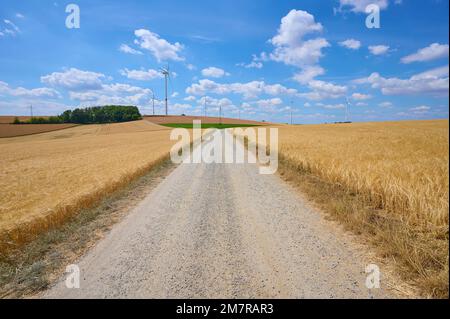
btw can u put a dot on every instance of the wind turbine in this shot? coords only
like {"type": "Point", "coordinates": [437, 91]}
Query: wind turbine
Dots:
{"type": "Point", "coordinates": [347, 109]}
{"type": "Point", "coordinates": [166, 73]}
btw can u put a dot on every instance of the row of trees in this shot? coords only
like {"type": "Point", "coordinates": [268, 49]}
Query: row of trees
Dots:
{"type": "Point", "coordinates": [40, 120]}
{"type": "Point", "coordinates": [90, 115]}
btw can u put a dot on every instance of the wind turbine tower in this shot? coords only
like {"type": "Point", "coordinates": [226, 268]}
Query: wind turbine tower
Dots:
{"type": "Point", "coordinates": [347, 109]}
{"type": "Point", "coordinates": [153, 102]}
{"type": "Point", "coordinates": [166, 73]}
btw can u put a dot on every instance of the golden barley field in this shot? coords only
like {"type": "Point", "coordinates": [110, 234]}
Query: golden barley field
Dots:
{"type": "Point", "coordinates": [46, 177]}
{"type": "Point", "coordinates": [400, 169]}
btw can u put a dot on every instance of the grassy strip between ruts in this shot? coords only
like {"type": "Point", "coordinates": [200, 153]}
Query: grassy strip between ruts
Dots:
{"type": "Point", "coordinates": [31, 268]}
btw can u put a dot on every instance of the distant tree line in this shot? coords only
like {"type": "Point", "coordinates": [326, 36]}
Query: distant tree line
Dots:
{"type": "Point", "coordinates": [90, 115]}
{"type": "Point", "coordinates": [40, 120]}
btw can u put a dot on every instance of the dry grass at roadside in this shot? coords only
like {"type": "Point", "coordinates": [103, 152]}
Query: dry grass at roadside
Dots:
{"type": "Point", "coordinates": [46, 178]}
{"type": "Point", "coordinates": [395, 180]}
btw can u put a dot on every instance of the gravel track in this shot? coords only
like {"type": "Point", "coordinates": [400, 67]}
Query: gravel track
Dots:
{"type": "Point", "coordinates": [222, 231]}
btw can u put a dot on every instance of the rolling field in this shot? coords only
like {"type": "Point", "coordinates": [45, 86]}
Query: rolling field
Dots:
{"type": "Point", "coordinates": [47, 177]}
{"type": "Point", "coordinates": [387, 182]}
{"type": "Point", "coordinates": [8, 119]}
{"type": "Point", "coordinates": [12, 130]}
{"type": "Point", "coordinates": [7, 129]}
{"type": "Point", "coordinates": [399, 169]}
{"type": "Point", "coordinates": [207, 125]}
{"type": "Point", "coordinates": [188, 119]}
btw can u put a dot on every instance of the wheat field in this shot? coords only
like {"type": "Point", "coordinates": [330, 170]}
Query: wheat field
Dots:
{"type": "Point", "coordinates": [45, 178]}
{"type": "Point", "coordinates": [400, 169]}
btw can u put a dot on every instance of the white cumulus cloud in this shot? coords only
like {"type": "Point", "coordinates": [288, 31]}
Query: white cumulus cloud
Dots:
{"type": "Point", "coordinates": [125, 48]}
{"type": "Point", "coordinates": [333, 106]}
{"type": "Point", "coordinates": [351, 44]}
{"type": "Point", "coordinates": [29, 93]}
{"type": "Point", "coordinates": [74, 79]}
{"type": "Point", "coordinates": [385, 104]}
{"type": "Point", "coordinates": [379, 49]}
{"type": "Point", "coordinates": [190, 98]}
{"type": "Point", "coordinates": [141, 75]}
{"type": "Point", "coordinates": [324, 90]}
{"type": "Point", "coordinates": [434, 81]}
{"type": "Point", "coordinates": [420, 109]}
{"type": "Point", "coordinates": [432, 52]}
{"type": "Point", "coordinates": [248, 90]}
{"type": "Point", "coordinates": [214, 72]}
{"type": "Point", "coordinates": [360, 5]}
{"type": "Point", "coordinates": [160, 48]}
{"type": "Point", "coordinates": [269, 102]}
{"type": "Point", "coordinates": [292, 49]}
{"type": "Point", "coordinates": [308, 73]}
{"type": "Point", "coordinates": [360, 96]}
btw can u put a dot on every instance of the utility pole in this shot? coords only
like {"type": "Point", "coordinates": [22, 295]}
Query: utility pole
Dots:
{"type": "Point", "coordinates": [31, 110]}
{"type": "Point", "coordinates": [220, 114]}
{"type": "Point", "coordinates": [291, 112]}
{"type": "Point", "coordinates": [153, 102]}
{"type": "Point", "coordinates": [346, 109]}
{"type": "Point", "coordinates": [204, 104]}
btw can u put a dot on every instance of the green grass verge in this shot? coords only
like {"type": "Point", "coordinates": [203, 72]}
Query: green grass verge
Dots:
{"type": "Point", "coordinates": [207, 125]}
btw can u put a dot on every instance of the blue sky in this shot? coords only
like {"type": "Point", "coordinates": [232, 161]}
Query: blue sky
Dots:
{"type": "Point", "coordinates": [264, 58]}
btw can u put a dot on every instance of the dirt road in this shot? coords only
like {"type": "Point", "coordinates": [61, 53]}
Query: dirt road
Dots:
{"type": "Point", "coordinates": [222, 231]}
